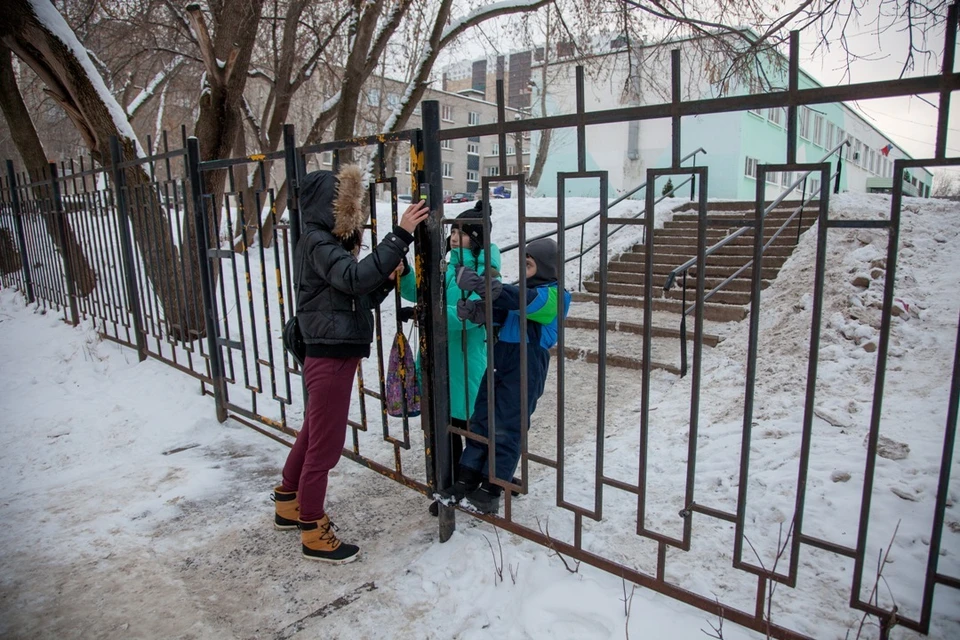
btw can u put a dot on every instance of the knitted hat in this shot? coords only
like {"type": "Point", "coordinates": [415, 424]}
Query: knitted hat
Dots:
{"type": "Point", "coordinates": [474, 228]}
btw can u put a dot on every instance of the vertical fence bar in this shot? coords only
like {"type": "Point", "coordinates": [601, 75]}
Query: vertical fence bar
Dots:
{"type": "Point", "coordinates": [126, 246]}
{"type": "Point", "coordinates": [18, 227]}
{"type": "Point", "coordinates": [581, 124]}
{"type": "Point", "coordinates": [751, 373]}
{"type": "Point", "coordinates": [435, 403]}
{"type": "Point", "coordinates": [60, 221]}
{"type": "Point", "coordinates": [293, 171]}
{"type": "Point", "coordinates": [879, 381]}
{"type": "Point", "coordinates": [501, 134]}
{"type": "Point", "coordinates": [206, 284]}
{"type": "Point", "coordinates": [675, 107]}
{"type": "Point", "coordinates": [949, 47]}
{"type": "Point", "coordinates": [794, 87]}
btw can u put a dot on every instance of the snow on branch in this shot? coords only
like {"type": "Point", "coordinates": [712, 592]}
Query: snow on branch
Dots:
{"type": "Point", "coordinates": [50, 18]}
{"type": "Point", "coordinates": [148, 91]}
{"type": "Point", "coordinates": [486, 12]}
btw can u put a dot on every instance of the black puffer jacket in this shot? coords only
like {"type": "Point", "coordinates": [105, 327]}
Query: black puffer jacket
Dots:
{"type": "Point", "coordinates": [338, 292]}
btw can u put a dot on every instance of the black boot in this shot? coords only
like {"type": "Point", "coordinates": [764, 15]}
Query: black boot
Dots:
{"type": "Point", "coordinates": [468, 480]}
{"type": "Point", "coordinates": [485, 499]}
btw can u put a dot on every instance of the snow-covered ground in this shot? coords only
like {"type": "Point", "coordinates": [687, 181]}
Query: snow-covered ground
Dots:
{"type": "Point", "coordinates": [133, 513]}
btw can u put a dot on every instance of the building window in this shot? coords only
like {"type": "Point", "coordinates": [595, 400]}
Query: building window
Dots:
{"type": "Point", "coordinates": [496, 149]}
{"type": "Point", "coordinates": [493, 171]}
{"type": "Point", "coordinates": [446, 144]}
{"type": "Point", "coordinates": [473, 118]}
{"type": "Point", "coordinates": [814, 185]}
{"type": "Point", "coordinates": [773, 177]}
{"type": "Point", "coordinates": [473, 149]}
{"type": "Point", "coordinates": [750, 168]}
{"type": "Point", "coordinates": [511, 150]}
{"type": "Point", "coordinates": [804, 123]}
{"type": "Point", "coordinates": [818, 130]}
{"type": "Point", "coordinates": [393, 100]}
{"type": "Point", "coordinates": [775, 115]}
{"type": "Point", "coordinates": [327, 158]}
{"type": "Point", "coordinates": [841, 136]}
{"type": "Point", "coordinates": [830, 135]}
{"type": "Point", "coordinates": [446, 113]}
{"type": "Point", "coordinates": [857, 151]}
{"type": "Point", "coordinates": [472, 176]}
{"type": "Point", "coordinates": [406, 164]}
{"type": "Point", "coordinates": [373, 97]}
{"type": "Point", "coordinates": [447, 169]}
{"type": "Point", "coordinates": [786, 178]}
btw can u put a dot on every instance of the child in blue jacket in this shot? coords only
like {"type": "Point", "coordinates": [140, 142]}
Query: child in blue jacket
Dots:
{"type": "Point", "coordinates": [543, 292]}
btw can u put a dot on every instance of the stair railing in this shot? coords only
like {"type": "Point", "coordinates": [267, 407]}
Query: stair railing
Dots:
{"type": "Point", "coordinates": [683, 268]}
{"type": "Point", "coordinates": [582, 223]}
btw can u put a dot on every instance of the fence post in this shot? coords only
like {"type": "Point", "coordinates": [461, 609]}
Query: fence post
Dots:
{"type": "Point", "coordinates": [836, 182]}
{"type": "Point", "coordinates": [206, 285]}
{"type": "Point", "coordinates": [59, 219]}
{"type": "Point", "coordinates": [126, 246]}
{"type": "Point", "coordinates": [435, 404]}
{"type": "Point", "coordinates": [18, 227]}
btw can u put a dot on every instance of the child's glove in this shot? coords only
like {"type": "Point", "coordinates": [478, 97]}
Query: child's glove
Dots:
{"type": "Point", "coordinates": [470, 280]}
{"type": "Point", "coordinates": [472, 310]}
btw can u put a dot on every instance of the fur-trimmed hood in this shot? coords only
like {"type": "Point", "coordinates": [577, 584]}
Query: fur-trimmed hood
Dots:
{"type": "Point", "coordinates": [334, 202]}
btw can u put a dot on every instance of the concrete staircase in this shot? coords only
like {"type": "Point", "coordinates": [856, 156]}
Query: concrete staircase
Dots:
{"type": "Point", "coordinates": [674, 245]}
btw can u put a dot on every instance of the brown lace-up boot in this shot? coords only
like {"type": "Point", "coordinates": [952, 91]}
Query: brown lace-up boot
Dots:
{"type": "Point", "coordinates": [287, 509]}
{"type": "Point", "coordinates": [321, 543]}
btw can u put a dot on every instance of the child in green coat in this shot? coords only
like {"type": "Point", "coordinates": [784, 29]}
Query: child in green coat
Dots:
{"type": "Point", "coordinates": [467, 346]}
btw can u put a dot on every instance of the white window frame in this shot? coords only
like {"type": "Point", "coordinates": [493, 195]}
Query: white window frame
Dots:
{"type": "Point", "coordinates": [814, 185]}
{"type": "Point", "coordinates": [447, 169]}
{"type": "Point", "coordinates": [493, 171]}
{"type": "Point", "coordinates": [831, 132]}
{"type": "Point", "coordinates": [496, 149]}
{"type": "Point", "coordinates": [473, 176]}
{"type": "Point", "coordinates": [786, 177]}
{"type": "Point", "coordinates": [373, 97]}
{"type": "Point", "coordinates": [750, 167]}
{"type": "Point", "coordinates": [818, 129]}
{"type": "Point", "coordinates": [773, 177]}
{"type": "Point", "coordinates": [775, 116]}
{"type": "Point", "coordinates": [804, 118]}
{"type": "Point", "coordinates": [446, 113]}
{"type": "Point", "coordinates": [473, 118]}
{"type": "Point", "coordinates": [326, 158]}
{"type": "Point", "coordinates": [446, 144]}
{"type": "Point", "coordinates": [473, 148]}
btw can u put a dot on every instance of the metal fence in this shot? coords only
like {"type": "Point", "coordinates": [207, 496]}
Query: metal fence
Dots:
{"type": "Point", "coordinates": [201, 277]}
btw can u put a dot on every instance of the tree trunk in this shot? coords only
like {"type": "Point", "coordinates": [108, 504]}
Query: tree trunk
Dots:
{"type": "Point", "coordinates": [29, 147]}
{"type": "Point", "coordinates": [226, 57]}
{"type": "Point", "coordinates": [76, 86]}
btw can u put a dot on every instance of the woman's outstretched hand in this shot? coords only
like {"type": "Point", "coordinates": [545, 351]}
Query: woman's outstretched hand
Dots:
{"type": "Point", "coordinates": [414, 215]}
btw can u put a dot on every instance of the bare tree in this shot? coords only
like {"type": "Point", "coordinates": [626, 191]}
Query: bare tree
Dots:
{"type": "Point", "coordinates": [946, 183]}
{"type": "Point", "coordinates": [35, 161]}
{"type": "Point", "coordinates": [39, 36]}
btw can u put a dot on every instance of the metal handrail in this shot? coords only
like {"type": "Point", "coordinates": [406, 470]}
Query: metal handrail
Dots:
{"type": "Point", "coordinates": [582, 223]}
{"type": "Point", "coordinates": [573, 225]}
{"type": "Point", "coordinates": [742, 230]}
{"type": "Point", "coordinates": [804, 199]}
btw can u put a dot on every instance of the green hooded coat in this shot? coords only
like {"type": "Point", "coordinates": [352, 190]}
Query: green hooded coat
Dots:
{"type": "Point", "coordinates": [462, 395]}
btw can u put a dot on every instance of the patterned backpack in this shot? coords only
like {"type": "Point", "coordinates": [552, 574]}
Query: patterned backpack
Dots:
{"type": "Point", "coordinates": [402, 382]}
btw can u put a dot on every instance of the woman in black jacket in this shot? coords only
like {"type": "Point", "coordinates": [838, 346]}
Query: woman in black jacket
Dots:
{"type": "Point", "coordinates": [335, 300]}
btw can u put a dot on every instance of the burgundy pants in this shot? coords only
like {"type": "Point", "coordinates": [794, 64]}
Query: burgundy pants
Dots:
{"type": "Point", "coordinates": [317, 449]}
